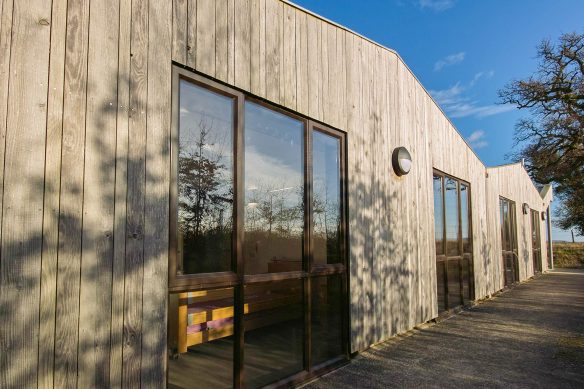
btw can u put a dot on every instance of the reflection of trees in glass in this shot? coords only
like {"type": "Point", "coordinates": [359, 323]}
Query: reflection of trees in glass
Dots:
{"type": "Point", "coordinates": [205, 199]}
{"type": "Point", "coordinates": [276, 209]}
{"type": "Point", "coordinates": [274, 225]}
{"type": "Point", "coordinates": [327, 222]}
{"type": "Point", "coordinates": [452, 221]}
{"type": "Point", "coordinates": [438, 215]}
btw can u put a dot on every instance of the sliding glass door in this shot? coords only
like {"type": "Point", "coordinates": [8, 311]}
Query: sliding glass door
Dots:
{"type": "Point", "coordinates": [258, 275]}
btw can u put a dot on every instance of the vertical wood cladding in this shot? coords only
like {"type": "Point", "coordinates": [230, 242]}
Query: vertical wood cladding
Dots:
{"type": "Point", "coordinates": [85, 91]}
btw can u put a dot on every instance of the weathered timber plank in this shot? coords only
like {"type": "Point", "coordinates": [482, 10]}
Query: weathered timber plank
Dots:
{"type": "Point", "coordinates": [301, 63]}
{"type": "Point", "coordinates": [221, 39]}
{"type": "Point", "coordinates": [71, 209]}
{"type": "Point", "coordinates": [51, 196]}
{"type": "Point", "coordinates": [155, 285]}
{"type": "Point", "coordinates": [98, 193]}
{"type": "Point", "coordinates": [231, 42]}
{"type": "Point", "coordinates": [5, 45]}
{"type": "Point", "coordinates": [288, 79]}
{"type": "Point", "coordinates": [134, 270]}
{"type": "Point", "coordinates": [254, 35]}
{"type": "Point", "coordinates": [121, 160]}
{"type": "Point", "coordinates": [242, 45]}
{"type": "Point", "coordinates": [191, 60]}
{"type": "Point", "coordinates": [313, 32]}
{"type": "Point", "coordinates": [205, 37]}
{"type": "Point", "coordinates": [179, 30]}
{"type": "Point", "coordinates": [272, 75]}
{"type": "Point", "coordinates": [23, 131]}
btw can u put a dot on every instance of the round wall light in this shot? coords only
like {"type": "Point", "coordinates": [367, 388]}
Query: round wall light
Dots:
{"type": "Point", "coordinates": [401, 161]}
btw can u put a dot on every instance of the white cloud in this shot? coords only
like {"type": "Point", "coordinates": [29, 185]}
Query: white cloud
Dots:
{"type": "Point", "coordinates": [436, 5]}
{"type": "Point", "coordinates": [470, 109]}
{"type": "Point", "coordinates": [457, 105]}
{"type": "Point", "coordinates": [477, 139]}
{"type": "Point", "coordinates": [450, 60]}
{"type": "Point", "coordinates": [480, 75]}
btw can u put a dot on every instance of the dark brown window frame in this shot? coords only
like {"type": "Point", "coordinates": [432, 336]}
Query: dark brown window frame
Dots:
{"type": "Point", "coordinates": [236, 278]}
{"type": "Point", "coordinates": [444, 257]}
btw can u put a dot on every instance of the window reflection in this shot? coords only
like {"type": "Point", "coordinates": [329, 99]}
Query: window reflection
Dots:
{"type": "Point", "coordinates": [452, 222]}
{"type": "Point", "coordinates": [205, 180]}
{"type": "Point", "coordinates": [201, 339]}
{"type": "Point", "coordinates": [274, 331]}
{"type": "Point", "coordinates": [439, 218]}
{"type": "Point", "coordinates": [454, 275]}
{"type": "Point", "coordinates": [274, 191]}
{"type": "Point", "coordinates": [454, 283]}
{"type": "Point", "coordinates": [464, 216]}
{"type": "Point", "coordinates": [326, 198]}
{"type": "Point", "coordinates": [327, 341]}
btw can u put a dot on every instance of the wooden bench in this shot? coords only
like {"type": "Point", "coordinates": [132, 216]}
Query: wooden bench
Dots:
{"type": "Point", "coordinates": [204, 316]}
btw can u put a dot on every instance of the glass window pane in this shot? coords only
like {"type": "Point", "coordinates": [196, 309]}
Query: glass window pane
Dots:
{"type": "Point", "coordinates": [205, 180]}
{"type": "Point", "coordinates": [326, 198]}
{"type": "Point", "coordinates": [453, 283]}
{"type": "Point", "coordinates": [504, 225]}
{"type": "Point", "coordinates": [466, 263]}
{"type": "Point", "coordinates": [201, 339]}
{"type": "Point", "coordinates": [452, 222]}
{"type": "Point", "coordinates": [274, 332]}
{"type": "Point", "coordinates": [274, 191]}
{"type": "Point", "coordinates": [326, 318]}
{"type": "Point", "coordinates": [441, 285]}
{"type": "Point", "coordinates": [464, 208]}
{"type": "Point", "coordinates": [512, 226]}
{"type": "Point", "coordinates": [438, 215]}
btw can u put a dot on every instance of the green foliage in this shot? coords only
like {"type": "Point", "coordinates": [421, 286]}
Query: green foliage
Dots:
{"type": "Point", "coordinates": [552, 138]}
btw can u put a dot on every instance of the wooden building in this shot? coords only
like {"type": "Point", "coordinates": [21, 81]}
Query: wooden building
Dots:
{"type": "Point", "coordinates": [201, 193]}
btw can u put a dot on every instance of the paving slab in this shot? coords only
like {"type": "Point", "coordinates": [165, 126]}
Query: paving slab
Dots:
{"type": "Point", "coordinates": [531, 336]}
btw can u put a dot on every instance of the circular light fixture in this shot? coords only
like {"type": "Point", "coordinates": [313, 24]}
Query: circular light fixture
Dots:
{"type": "Point", "coordinates": [401, 161]}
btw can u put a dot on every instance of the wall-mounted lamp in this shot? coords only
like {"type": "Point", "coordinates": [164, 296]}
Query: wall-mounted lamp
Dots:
{"type": "Point", "coordinates": [525, 208]}
{"type": "Point", "coordinates": [401, 161]}
{"type": "Point", "coordinates": [543, 216]}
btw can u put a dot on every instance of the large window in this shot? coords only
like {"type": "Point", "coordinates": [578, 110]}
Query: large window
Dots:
{"type": "Point", "coordinates": [536, 241]}
{"type": "Point", "coordinates": [452, 228]}
{"type": "Point", "coordinates": [508, 223]}
{"type": "Point", "coordinates": [257, 270]}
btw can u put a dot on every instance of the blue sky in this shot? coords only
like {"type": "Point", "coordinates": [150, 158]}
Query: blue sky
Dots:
{"type": "Point", "coordinates": [463, 52]}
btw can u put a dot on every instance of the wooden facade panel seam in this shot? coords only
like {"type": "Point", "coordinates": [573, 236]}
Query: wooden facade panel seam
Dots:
{"type": "Point", "coordinates": [120, 195]}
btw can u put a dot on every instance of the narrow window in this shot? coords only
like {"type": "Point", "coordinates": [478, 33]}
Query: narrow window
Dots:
{"type": "Point", "coordinates": [274, 191]}
{"type": "Point", "coordinates": [205, 180]}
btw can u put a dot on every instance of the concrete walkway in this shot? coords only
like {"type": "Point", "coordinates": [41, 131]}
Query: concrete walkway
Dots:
{"type": "Point", "coordinates": [530, 336]}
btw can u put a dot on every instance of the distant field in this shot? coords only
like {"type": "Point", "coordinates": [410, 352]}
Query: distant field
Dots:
{"type": "Point", "coordinates": [569, 255]}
